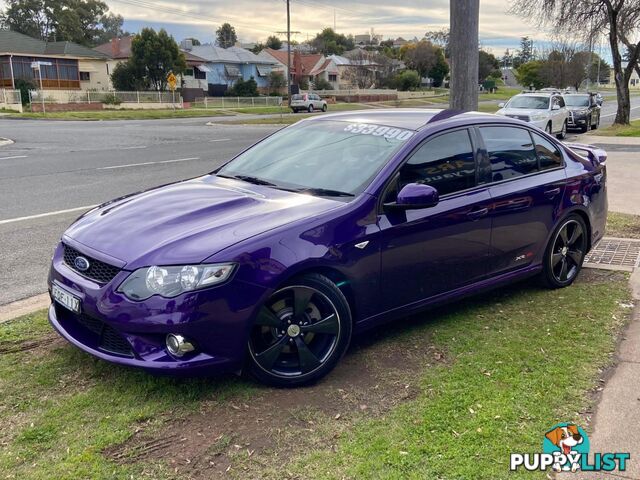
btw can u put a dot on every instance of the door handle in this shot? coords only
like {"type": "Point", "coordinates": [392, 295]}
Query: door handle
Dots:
{"type": "Point", "coordinates": [552, 193]}
{"type": "Point", "coordinates": [476, 214]}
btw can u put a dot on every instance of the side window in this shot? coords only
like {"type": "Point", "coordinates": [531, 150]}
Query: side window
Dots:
{"type": "Point", "coordinates": [548, 153]}
{"type": "Point", "coordinates": [511, 152]}
{"type": "Point", "coordinates": [446, 163]}
{"type": "Point", "coordinates": [560, 101]}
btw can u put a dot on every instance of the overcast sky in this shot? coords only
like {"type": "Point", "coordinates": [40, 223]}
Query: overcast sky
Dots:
{"type": "Point", "coordinates": [254, 20]}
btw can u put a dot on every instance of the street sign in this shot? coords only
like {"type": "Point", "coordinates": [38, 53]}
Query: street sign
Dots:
{"type": "Point", "coordinates": [37, 65]}
{"type": "Point", "coordinates": [172, 81]}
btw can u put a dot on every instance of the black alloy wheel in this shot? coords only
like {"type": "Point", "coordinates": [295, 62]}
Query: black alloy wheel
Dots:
{"type": "Point", "coordinates": [565, 253]}
{"type": "Point", "coordinates": [300, 333]}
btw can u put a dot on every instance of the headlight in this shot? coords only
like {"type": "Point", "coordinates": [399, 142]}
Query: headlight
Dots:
{"type": "Point", "coordinates": [172, 281]}
{"type": "Point", "coordinates": [538, 116]}
{"type": "Point", "coordinates": [583, 112]}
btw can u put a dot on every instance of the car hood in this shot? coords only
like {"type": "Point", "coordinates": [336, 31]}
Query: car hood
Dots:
{"type": "Point", "coordinates": [575, 109]}
{"type": "Point", "coordinates": [521, 111]}
{"type": "Point", "coordinates": [189, 221]}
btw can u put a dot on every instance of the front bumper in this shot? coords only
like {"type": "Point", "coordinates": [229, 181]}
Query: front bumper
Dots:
{"type": "Point", "coordinates": [577, 121]}
{"type": "Point", "coordinates": [114, 328]}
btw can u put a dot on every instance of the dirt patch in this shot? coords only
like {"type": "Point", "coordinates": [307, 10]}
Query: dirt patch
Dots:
{"type": "Point", "coordinates": [235, 436]}
{"type": "Point", "coordinates": [23, 346]}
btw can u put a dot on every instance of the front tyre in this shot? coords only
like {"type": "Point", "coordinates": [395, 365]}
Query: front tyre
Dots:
{"type": "Point", "coordinates": [563, 133]}
{"type": "Point", "coordinates": [300, 333]}
{"type": "Point", "coordinates": [565, 253]}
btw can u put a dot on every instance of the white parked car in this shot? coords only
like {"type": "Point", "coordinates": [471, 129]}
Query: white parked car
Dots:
{"type": "Point", "coordinates": [308, 102]}
{"type": "Point", "coordinates": [545, 110]}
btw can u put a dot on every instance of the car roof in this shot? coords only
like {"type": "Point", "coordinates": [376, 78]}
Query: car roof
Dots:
{"type": "Point", "coordinates": [407, 118]}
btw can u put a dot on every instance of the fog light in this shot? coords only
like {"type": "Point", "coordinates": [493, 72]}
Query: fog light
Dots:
{"type": "Point", "coordinates": [178, 346]}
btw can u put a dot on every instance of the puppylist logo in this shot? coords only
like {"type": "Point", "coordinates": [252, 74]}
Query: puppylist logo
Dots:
{"type": "Point", "coordinates": [565, 448]}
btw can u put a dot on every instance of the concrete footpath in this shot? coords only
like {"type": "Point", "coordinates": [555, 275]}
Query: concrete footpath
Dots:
{"type": "Point", "coordinates": [616, 424]}
{"type": "Point", "coordinates": [623, 171]}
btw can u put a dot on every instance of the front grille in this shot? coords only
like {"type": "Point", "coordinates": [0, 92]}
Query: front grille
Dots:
{"type": "Point", "coordinates": [99, 271]}
{"type": "Point", "coordinates": [110, 340]}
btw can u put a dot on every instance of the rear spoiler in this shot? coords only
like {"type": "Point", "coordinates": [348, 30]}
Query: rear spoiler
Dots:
{"type": "Point", "coordinates": [596, 155]}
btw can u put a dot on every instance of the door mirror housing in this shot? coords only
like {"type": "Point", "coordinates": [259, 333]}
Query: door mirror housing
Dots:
{"type": "Point", "coordinates": [501, 104]}
{"type": "Point", "coordinates": [555, 107]}
{"type": "Point", "coordinates": [415, 196]}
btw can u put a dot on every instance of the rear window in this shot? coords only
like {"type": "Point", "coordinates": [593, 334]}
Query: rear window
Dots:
{"type": "Point", "coordinates": [297, 97]}
{"type": "Point", "coordinates": [548, 153]}
{"type": "Point", "coordinates": [511, 152]}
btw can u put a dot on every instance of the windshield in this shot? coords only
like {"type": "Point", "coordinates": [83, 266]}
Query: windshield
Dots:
{"type": "Point", "coordinates": [322, 155]}
{"type": "Point", "coordinates": [535, 103]}
{"type": "Point", "coordinates": [576, 100]}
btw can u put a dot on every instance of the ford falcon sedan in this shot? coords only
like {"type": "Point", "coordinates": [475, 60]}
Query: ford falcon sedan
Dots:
{"type": "Point", "coordinates": [270, 264]}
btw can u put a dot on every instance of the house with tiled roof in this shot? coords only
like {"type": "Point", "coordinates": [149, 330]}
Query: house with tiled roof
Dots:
{"type": "Point", "coordinates": [306, 68]}
{"type": "Point", "coordinates": [63, 65]}
{"type": "Point", "coordinates": [223, 67]}
{"type": "Point", "coordinates": [119, 50]}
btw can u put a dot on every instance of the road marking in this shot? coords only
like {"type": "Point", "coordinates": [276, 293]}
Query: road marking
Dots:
{"type": "Point", "coordinates": [15, 156]}
{"type": "Point", "coordinates": [220, 140]}
{"type": "Point", "coordinates": [144, 164]}
{"type": "Point", "coordinates": [612, 114]}
{"type": "Point", "coordinates": [137, 147]}
{"type": "Point", "coordinates": [48, 214]}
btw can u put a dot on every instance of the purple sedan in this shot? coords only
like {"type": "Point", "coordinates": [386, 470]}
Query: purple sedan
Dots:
{"type": "Point", "coordinates": [323, 230]}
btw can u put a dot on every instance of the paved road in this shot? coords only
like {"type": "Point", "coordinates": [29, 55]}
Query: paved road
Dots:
{"type": "Point", "coordinates": [56, 170]}
{"type": "Point", "coordinates": [58, 166]}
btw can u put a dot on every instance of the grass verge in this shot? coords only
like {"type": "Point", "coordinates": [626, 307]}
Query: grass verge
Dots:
{"type": "Point", "coordinates": [623, 225]}
{"type": "Point", "coordinates": [122, 114]}
{"type": "Point", "coordinates": [505, 374]}
{"type": "Point", "coordinates": [632, 130]}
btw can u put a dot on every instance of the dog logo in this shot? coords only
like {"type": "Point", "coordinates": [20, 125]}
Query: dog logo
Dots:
{"type": "Point", "coordinates": [568, 439]}
{"type": "Point", "coordinates": [565, 448]}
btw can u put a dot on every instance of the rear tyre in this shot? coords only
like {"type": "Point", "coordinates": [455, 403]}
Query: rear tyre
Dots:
{"type": "Point", "coordinates": [310, 109]}
{"type": "Point", "coordinates": [563, 133]}
{"type": "Point", "coordinates": [596, 125]}
{"type": "Point", "coordinates": [324, 107]}
{"type": "Point", "coordinates": [565, 253]}
{"type": "Point", "coordinates": [300, 333]}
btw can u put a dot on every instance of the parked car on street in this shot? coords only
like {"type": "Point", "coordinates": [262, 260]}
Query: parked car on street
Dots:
{"type": "Point", "coordinates": [272, 262]}
{"type": "Point", "coordinates": [308, 102]}
{"type": "Point", "coordinates": [584, 111]}
{"type": "Point", "coordinates": [545, 110]}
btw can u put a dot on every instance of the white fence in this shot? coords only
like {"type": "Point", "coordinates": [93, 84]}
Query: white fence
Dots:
{"type": "Point", "coordinates": [10, 97]}
{"type": "Point", "coordinates": [113, 97]}
{"type": "Point", "coordinates": [236, 102]}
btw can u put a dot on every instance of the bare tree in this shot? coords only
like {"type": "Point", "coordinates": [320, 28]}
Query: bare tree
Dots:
{"type": "Point", "coordinates": [619, 18]}
{"type": "Point", "coordinates": [464, 54]}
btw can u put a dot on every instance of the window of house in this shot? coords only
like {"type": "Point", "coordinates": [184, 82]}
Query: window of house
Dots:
{"type": "Point", "coordinates": [200, 75]}
{"type": "Point", "coordinates": [548, 154]}
{"type": "Point", "coordinates": [333, 78]}
{"type": "Point", "coordinates": [85, 77]}
{"type": "Point", "coordinates": [511, 152]}
{"type": "Point", "coordinates": [446, 163]}
{"type": "Point", "coordinates": [188, 72]}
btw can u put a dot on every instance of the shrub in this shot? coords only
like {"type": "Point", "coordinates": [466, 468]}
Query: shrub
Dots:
{"type": "Point", "coordinates": [24, 86]}
{"type": "Point", "coordinates": [242, 88]}
{"type": "Point", "coordinates": [322, 84]}
{"type": "Point", "coordinates": [111, 99]}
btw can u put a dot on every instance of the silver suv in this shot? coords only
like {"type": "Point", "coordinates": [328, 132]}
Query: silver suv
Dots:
{"type": "Point", "coordinates": [308, 102]}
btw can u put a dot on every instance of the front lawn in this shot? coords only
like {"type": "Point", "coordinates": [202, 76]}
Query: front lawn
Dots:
{"type": "Point", "coordinates": [446, 394]}
{"type": "Point", "coordinates": [122, 114]}
{"type": "Point", "coordinates": [623, 225]}
{"type": "Point", "coordinates": [632, 130]}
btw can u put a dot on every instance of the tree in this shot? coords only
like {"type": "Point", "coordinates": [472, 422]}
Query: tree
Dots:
{"type": "Point", "coordinates": [153, 57]}
{"type": "Point", "coordinates": [194, 41]}
{"type": "Point", "coordinates": [465, 16]}
{"type": "Point", "coordinates": [112, 27]}
{"type": "Point", "coordinates": [80, 21]}
{"type": "Point", "coordinates": [407, 80]}
{"type": "Point", "coordinates": [528, 74]}
{"type": "Point", "coordinates": [242, 88]}
{"type": "Point", "coordinates": [273, 42]}
{"type": "Point", "coordinates": [601, 73]}
{"type": "Point", "coordinates": [421, 57]}
{"type": "Point", "coordinates": [322, 84]}
{"type": "Point", "coordinates": [277, 81]}
{"type": "Point", "coordinates": [487, 64]}
{"type": "Point", "coordinates": [440, 70]}
{"type": "Point", "coordinates": [328, 42]}
{"type": "Point", "coordinates": [128, 77]}
{"type": "Point", "coordinates": [441, 38]}
{"type": "Point", "coordinates": [226, 36]}
{"type": "Point", "coordinates": [620, 19]}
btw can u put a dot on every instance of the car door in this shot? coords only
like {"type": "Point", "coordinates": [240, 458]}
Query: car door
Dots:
{"type": "Point", "coordinates": [560, 114]}
{"type": "Point", "coordinates": [433, 250]}
{"type": "Point", "coordinates": [528, 181]}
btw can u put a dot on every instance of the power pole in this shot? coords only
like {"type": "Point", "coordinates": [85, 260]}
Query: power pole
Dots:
{"type": "Point", "coordinates": [464, 54]}
{"type": "Point", "coordinates": [288, 54]}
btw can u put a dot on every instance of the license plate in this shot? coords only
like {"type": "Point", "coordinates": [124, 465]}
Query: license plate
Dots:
{"type": "Point", "coordinates": [65, 299]}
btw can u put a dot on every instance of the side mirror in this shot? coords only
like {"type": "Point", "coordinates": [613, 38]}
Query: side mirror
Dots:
{"type": "Point", "coordinates": [555, 107]}
{"type": "Point", "coordinates": [501, 105]}
{"type": "Point", "coordinates": [415, 196]}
